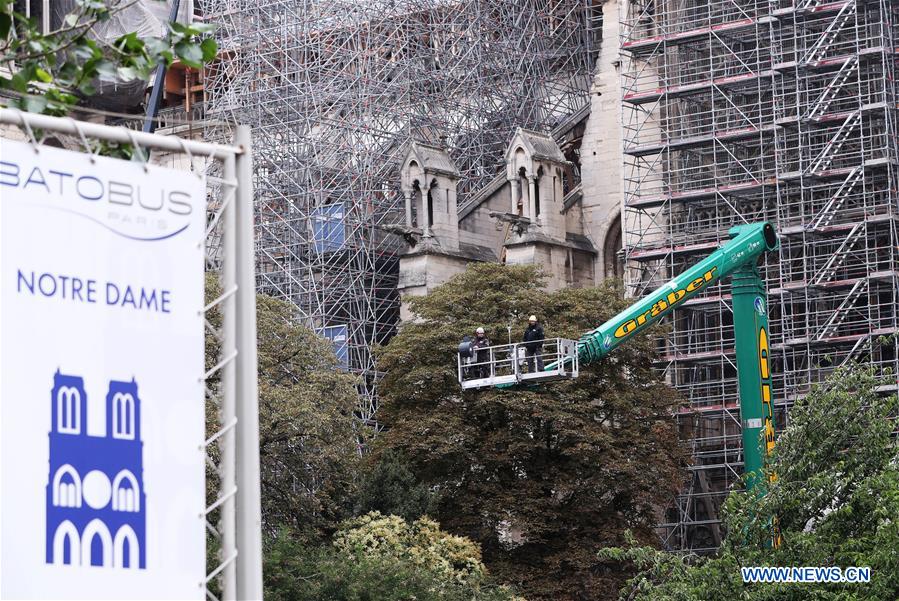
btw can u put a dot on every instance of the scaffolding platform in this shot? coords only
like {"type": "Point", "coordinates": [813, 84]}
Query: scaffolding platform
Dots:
{"type": "Point", "coordinates": [508, 364]}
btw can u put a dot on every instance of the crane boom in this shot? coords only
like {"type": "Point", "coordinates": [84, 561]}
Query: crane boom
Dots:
{"type": "Point", "coordinates": [747, 243]}
{"type": "Point", "coordinates": [736, 258]}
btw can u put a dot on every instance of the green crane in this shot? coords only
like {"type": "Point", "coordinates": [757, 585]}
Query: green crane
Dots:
{"type": "Point", "coordinates": [736, 258]}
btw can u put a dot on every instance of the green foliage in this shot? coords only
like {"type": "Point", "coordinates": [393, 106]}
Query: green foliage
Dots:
{"type": "Point", "coordinates": [309, 436]}
{"type": "Point", "coordinates": [308, 433]}
{"type": "Point", "coordinates": [50, 72]}
{"type": "Point", "coordinates": [378, 559]}
{"type": "Point", "coordinates": [541, 479]}
{"type": "Point", "coordinates": [297, 572]}
{"type": "Point", "coordinates": [390, 487]}
{"type": "Point", "coordinates": [836, 498]}
{"type": "Point", "coordinates": [421, 544]}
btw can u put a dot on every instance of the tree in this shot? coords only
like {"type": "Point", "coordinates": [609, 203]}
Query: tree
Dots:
{"type": "Point", "coordinates": [381, 558]}
{"type": "Point", "coordinates": [308, 434]}
{"type": "Point", "coordinates": [541, 479]}
{"type": "Point", "coordinates": [309, 437]}
{"type": "Point", "coordinates": [50, 72]}
{"type": "Point", "coordinates": [835, 498]}
{"type": "Point", "coordinates": [389, 487]}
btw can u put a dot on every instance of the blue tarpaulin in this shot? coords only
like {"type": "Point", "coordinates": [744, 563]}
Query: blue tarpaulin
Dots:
{"type": "Point", "coordinates": [338, 337]}
{"type": "Point", "coordinates": [328, 231]}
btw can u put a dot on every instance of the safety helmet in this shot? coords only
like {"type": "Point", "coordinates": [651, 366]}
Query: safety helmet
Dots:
{"type": "Point", "coordinates": [532, 318]}
{"type": "Point", "coordinates": [479, 331]}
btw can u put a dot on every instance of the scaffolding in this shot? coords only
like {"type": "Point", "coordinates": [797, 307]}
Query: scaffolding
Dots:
{"type": "Point", "coordinates": [335, 89]}
{"type": "Point", "coordinates": [784, 111]}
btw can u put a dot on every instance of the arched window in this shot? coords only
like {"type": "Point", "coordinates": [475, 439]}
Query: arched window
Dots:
{"type": "Point", "coordinates": [416, 204]}
{"type": "Point", "coordinates": [66, 487]}
{"type": "Point", "coordinates": [126, 549]}
{"type": "Point", "coordinates": [524, 193]}
{"type": "Point", "coordinates": [430, 200]}
{"type": "Point", "coordinates": [66, 547]}
{"type": "Point", "coordinates": [96, 545]}
{"type": "Point", "coordinates": [125, 492]}
{"type": "Point", "coordinates": [123, 416]}
{"type": "Point", "coordinates": [614, 263]}
{"type": "Point", "coordinates": [537, 192]}
{"type": "Point", "coordinates": [68, 410]}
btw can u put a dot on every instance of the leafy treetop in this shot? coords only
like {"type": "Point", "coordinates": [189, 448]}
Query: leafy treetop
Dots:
{"type": "Point", "coordinates": [380, 558]}
{"type": "Point", "coordinates": [49, 72]}
{"type": "Point", "coordinates": [423, 543]}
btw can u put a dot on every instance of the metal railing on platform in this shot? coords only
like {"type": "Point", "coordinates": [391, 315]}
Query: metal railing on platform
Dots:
{"type": "Point", "coordinates": [508, 364]}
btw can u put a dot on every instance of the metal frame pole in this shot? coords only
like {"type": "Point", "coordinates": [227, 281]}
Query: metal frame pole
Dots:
{"type": "Point", "coordinates": [249, 504]}
{"type": "Point", "coordinates": [86, 129]}
{"type": "Point", "coordinates": [45, 17]}
{"type": "Point", "coordinates": [229, 391]}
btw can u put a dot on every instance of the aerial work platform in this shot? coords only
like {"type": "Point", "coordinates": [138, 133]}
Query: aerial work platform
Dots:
{"type": "Point", "coordinates": [507, 364]}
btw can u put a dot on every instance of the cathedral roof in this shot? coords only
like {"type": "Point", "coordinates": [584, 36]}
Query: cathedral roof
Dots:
{"type": "Point", "coordinates": [542, 146]}
{"type": "Point", "coordinates": [432, 158]}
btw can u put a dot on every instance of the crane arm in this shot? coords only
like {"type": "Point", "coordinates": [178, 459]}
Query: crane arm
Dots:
{"type": "Point", "coordinates": [747, 243]}
{"type": "Point", "coordinates": [736, 258]}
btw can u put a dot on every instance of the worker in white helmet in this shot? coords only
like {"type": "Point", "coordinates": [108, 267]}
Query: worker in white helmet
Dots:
{"type": "Point", "coordinates": [482, 356]}
{"type": "Point", "coordinates": [533, 344]}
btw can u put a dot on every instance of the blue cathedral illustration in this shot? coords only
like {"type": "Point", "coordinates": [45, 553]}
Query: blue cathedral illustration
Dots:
{"type": "Point", "coordinates": [96, 505]}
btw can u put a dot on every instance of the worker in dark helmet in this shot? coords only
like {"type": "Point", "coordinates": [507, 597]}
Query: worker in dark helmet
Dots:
{"type": "Point", "coordinates": [533, 344]}
{"type": "Point", "coordinates": [482, 356]}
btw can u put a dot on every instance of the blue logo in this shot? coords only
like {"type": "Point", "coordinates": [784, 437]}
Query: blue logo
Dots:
{"type": "Point", "coordinates": [96, 504]}
{"type": "Point", "coordinates": [607, 342]}
{"type": "Point", "coordinates": [759, 305]}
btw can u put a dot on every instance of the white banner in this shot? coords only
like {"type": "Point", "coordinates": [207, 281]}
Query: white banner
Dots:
{"type": "Point", "coordinates": [101, 365]}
